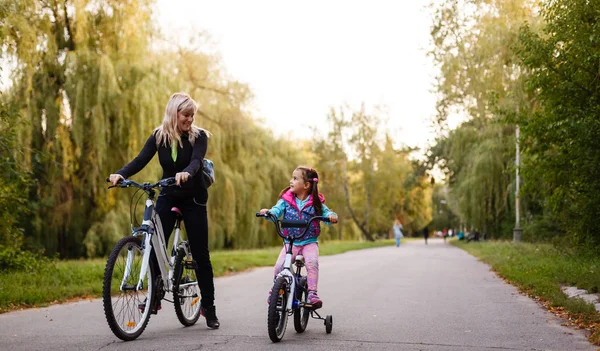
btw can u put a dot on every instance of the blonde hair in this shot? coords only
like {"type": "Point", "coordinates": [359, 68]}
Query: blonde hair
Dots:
{"type": "Point", "coordinates": [167, 132]}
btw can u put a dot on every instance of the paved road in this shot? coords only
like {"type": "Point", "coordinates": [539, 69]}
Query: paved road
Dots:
{"type": "Point", "coordinates": [415, 297]}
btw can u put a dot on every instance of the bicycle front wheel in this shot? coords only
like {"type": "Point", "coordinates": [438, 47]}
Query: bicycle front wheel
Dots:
{"type": "Point", "coordinates": [278, 315]}
{"type": "Point", "coordinates": [301, 313]}
{"type": "Point", "coordinates": [127, 308]}
{"type": "Point", "coordinates": [186, 292]}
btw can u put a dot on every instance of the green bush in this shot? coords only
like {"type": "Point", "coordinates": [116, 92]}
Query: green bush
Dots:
{"type": "Point", "coordinates": [16, 259]}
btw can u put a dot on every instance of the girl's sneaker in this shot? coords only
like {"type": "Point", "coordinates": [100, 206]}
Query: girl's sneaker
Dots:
{"type": "Point", "coordinates": [269, 298]}
{"type": "Point", "coordinates": [314, 300]}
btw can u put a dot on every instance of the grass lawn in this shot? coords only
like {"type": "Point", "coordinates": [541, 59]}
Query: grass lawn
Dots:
{"type": "Point", "coordinates": [74, 279]}
{"type": "Point", "coordinates": [539, 270]}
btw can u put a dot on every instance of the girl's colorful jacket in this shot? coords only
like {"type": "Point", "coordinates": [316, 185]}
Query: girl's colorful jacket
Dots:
{"type": "Point", "coordinates": [293, 208]}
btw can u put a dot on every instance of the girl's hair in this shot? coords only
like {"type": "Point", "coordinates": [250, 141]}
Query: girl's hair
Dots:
{"type": "Point", "coordinates": [167, 132]}
{"type": "Point", "coordinates": [310, 175]}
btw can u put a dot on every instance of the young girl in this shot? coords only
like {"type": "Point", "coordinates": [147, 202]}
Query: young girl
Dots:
{"type": "Point", "coordinates": [301, 200]}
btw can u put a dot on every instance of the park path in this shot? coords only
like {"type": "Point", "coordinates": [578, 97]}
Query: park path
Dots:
{"type": "Point", "coordinates": [415, 297]}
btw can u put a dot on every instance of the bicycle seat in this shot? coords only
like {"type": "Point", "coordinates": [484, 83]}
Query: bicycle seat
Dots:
{"type": "Point", "coordinates": [177, 211]}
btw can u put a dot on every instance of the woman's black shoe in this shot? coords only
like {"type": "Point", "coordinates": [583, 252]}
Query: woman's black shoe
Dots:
{"type": "Point", "coordinates": [210, 314]}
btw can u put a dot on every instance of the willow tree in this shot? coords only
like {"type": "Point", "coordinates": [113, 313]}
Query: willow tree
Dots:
{"type": "Point", "coordinates": [252, 165]}
{"type": "Point", "coordinates": [370, 182]}
{"type": "Point", "coordinates": [90, 88]}
{"type": "Point", "coordinates": [80, 69]}
{"type": "Point", "coordinates": [481, 76]}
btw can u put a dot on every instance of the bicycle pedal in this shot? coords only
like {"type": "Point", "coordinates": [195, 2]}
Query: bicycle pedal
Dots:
{"type": "Point", "coordinates": [313, 307]}
{"type": "Point", "coordinates": [190, 263]}
{"type": "Point", "coordinates": [142, 308]}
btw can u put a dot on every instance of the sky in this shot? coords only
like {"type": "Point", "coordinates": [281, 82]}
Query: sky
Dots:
{"type": "Point", "coordinates": [302, 58]}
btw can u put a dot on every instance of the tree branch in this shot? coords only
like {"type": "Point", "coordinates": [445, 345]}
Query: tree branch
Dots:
{"type": "Point", "coordinates": [70, 42]}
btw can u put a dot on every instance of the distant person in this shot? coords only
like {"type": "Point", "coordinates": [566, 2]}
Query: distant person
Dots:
{"type": "Point", "coordinates": [397, 231]}
{"type": "Point", "coordinates": [425, 234]}
{"type": "Point", "coordinates": [473, 237]}
{"type": "Point", "coordinates": [444, 234]}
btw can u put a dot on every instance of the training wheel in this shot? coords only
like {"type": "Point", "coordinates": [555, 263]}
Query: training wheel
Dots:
{"type": "Point", "coordinates": [328, 324]}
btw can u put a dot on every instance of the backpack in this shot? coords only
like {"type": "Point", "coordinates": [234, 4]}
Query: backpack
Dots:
{"type": "Point", "coordinates": [208, 172]}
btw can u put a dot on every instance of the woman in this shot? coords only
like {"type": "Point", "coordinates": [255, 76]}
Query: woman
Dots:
{"type": "Point", "coordinates": [181, 147]}
{"type": "Point", "coordinates": [397, 231]}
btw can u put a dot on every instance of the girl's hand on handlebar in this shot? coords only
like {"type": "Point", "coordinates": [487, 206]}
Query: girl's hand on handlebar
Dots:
{"type": "Point", "coordinates": [263, 211]}
{"type": "Point", "coordinates": [181, 177]}
{"type": "Point", "coordinates": [333, 218]}
{"type": "Point", "coordinates": [114, 178]}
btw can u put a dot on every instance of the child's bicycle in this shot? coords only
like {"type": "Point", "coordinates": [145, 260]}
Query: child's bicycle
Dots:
{"type": "Point", "coordinates": [290, 290]}
{"type": "Point", "coordinates": [132, 289]}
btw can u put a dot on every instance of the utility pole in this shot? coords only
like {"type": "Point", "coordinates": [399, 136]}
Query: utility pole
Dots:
{"type": "Point", "coordinates": [517, 232]}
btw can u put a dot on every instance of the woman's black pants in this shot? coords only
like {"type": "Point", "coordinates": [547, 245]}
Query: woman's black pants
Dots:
{"type": "Point", "coordinates": [195, 219]}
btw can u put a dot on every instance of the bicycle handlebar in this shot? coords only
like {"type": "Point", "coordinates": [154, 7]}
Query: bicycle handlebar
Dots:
{"type": "Point", "coordinates": [291, 224]}
{"type": "Point", "coordinates": [126, 183]}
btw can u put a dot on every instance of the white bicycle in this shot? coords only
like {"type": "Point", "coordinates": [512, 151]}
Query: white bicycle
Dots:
{"type": "Point", "coordinates": [289, 295]}
{"type": "Point", "coordinates": [132, 288]}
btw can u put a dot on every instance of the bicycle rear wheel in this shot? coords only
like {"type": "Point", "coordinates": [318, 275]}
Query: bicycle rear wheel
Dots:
{"type": "Point", "coordinates": [126, 308]}
{"type": "Point", "coordinates": [186, 292]}
{"type": "Point", "coordinates": [278, 315]}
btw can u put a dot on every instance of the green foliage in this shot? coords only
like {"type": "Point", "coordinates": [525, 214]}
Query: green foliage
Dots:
{"type": "Point", "coordinates": [13, 258]}
{"type": "Point", "coordinates": [536, 65]}
{"type": "Point", "coordinates": [562, 134]}
{"type": "Point", "coordinates": [477, 158]}
{"type": "Point", "coordinates": [370, 181]}
{"type": "Point", "coordinates": [443, 216]}
{"type": "Point", "coordinates": [90, 85]}
{"type": "Point", "coordinates": [92, 94]}
{"type": "Point", "coordinates": [480, 77]}
{"type": "Point", "coordinates": [13, 205]}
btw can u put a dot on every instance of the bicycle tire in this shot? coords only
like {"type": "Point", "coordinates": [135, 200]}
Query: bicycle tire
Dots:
{"type": "Point", "coordinates": [277, 315]}
{"type": "Point", "coordinates": [126, 311]}
{"type": "Point", "coordinates": [186, 298]}
{"type": "Point", "coordinates": [301, 314]}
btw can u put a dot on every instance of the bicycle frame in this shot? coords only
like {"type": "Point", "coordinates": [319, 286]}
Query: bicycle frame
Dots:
{"type": "Point", "coordinates": [152, 233]}
{"type": "Point", "coordinates": [288, 272]}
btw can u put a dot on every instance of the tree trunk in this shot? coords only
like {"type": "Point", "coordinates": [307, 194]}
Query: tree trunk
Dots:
{"type": "Point", "coordinates": [360, 226]}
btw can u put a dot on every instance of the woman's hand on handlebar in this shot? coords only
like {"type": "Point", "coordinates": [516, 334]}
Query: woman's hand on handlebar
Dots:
{"type": "Point", "coordinates": [333, 218]}
{"type": "Point", "coordinates": [263, 211]}
{"type": "Point", "coordinates": [115, 178]}
{"type": "Point", "coordinates": [181, 177]}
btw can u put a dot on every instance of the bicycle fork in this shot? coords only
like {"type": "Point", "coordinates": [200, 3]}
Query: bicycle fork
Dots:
{"type": "Point", "coordinates": [287, 273]}
{"type": "Point", "coordinates": [175, 248]}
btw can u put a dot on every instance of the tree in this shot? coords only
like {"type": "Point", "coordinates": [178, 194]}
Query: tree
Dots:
{"type": "Point", "coordinates": [480, 76]}
{"type": "Point", "coordinates": [561, 135]}
{"type": "Point", "coordinates": [377, 183]}
{"type": "Point", "coordinates": [90, 87]}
